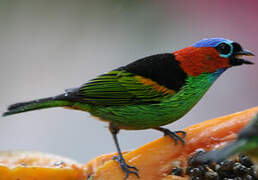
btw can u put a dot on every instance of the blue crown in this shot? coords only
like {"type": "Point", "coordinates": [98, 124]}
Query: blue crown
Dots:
{"type": "Point", "coordinates": [211, 42]}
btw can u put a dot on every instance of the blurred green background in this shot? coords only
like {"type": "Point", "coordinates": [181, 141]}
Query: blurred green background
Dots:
{"type": "Point", "coordinates": [47, 46]}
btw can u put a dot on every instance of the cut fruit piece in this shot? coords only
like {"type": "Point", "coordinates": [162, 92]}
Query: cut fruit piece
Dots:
{"type": "Point", "coordinates": [38, 166]}
{"type": "Point", "coordinates": [156, 159]}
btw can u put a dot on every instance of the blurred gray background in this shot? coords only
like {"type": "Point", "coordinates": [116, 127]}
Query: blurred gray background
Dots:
{"type": "Point", "coordinates": [47, 46]}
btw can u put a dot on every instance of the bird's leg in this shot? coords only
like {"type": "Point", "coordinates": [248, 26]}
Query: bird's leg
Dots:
{"type": "Point", "coordinates": [172, 134]}
{"type": "Point", "coordinates": [120, 159]}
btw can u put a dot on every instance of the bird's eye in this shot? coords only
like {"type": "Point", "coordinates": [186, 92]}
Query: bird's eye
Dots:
{"type": "Point", "coordinates": [224, 48]}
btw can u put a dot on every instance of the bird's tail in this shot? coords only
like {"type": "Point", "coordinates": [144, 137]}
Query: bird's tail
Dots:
{"type": "Point", "coordinates": [36, 104]}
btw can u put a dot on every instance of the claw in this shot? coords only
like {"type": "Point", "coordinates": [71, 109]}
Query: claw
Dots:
{"type": "Point", "coordinates": [125, 167]}
{"type": "Point", "coordinates": [181, 132]}
{"type": "Point", "coordinates": [174, 135]}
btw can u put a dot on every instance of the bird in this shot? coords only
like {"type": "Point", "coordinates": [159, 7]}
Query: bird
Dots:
{"type": "Point", "coordinates": [246, 142]}
{"type": "Point", "coordinates": [150, 92]}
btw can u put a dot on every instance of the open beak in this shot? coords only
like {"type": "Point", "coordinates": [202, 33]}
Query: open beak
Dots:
{"type": "Point", "coordinates": [244, 53]}
{"type": "Point", "coordinates": [237, 58]}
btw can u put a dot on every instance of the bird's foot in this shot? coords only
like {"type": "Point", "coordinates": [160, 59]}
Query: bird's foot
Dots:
{"type": "Point", "coordinates": [174, 135]}
{"type": "Point", "coordinates": [125, 167]}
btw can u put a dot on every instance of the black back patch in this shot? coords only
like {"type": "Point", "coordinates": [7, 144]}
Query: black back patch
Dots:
{"type": "Point", "coordinates": [161, 68]}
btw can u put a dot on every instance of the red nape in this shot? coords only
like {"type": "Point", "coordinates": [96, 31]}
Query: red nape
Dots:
{"type": "Point", "coordinates": [195, 61]}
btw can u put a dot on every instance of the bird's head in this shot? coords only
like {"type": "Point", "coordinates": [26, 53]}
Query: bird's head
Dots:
{"type": "Point", "coordinates": [211, 55]}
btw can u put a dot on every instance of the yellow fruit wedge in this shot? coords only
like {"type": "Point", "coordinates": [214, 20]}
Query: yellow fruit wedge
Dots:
{"type": "Point", "coordinates": [38, 166]}
{"type": "Point", "coordinates": [156, 159]}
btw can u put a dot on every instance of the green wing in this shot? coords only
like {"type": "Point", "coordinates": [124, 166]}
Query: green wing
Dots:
{"type": "Point", "coordinates": [119, 87]}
